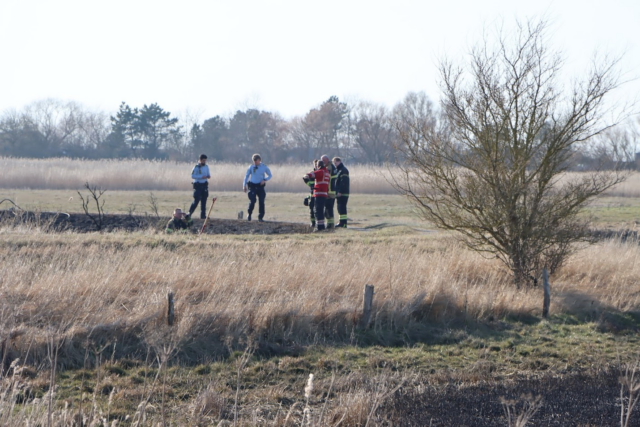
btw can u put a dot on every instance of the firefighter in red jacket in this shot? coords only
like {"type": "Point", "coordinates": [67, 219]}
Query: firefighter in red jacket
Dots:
{"type": "Point", "coordinates": [320, 192]}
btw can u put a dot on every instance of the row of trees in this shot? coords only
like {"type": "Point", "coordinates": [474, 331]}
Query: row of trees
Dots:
{"type": "Point", "coordinates": [362, 132]}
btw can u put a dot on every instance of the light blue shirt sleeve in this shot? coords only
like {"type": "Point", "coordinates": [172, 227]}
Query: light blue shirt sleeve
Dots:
{"type": "Point", "coordinates": [246, 177]}
{"type": "Point", "coordinates": [268, 172]}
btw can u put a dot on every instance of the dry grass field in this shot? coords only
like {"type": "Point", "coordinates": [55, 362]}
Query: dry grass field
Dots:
{"type": "Point", "coordinates": [147, 175]}
{"type": "Point", "coordinates": [85, 340]}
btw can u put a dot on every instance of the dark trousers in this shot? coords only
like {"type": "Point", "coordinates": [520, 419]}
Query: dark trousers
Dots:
{"type": "Point", "coordinates": [319, 208]}
{"type": "Point", "coordinates": [328, 211]}
{"type": "Point", "coordinates": [312, 215]}
{"type": "Point", "coordinates": [200, 195]}
{"type": "Point", "coordinates": [256, 191]}
{"type": "Point", "coordinates": [342, 210]}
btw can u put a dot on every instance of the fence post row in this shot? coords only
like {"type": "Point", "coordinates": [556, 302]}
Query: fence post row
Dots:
{"type": "Point", "coordinates": [367, 305]}
{"type": "Point", "coordinates": [170, 312]}
{"type": "Point", "coordinates": [547, 293]}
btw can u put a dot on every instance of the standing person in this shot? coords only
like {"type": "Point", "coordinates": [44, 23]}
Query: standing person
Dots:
{"type": "Point", "coordinates": [255, 179]}
{"type": "Point", "coordinates": [342, 190]}
{"type": "Point", "coordinates": [331, 197]}
{"type": "Point", "coordinates": [310, 200]}
{"type": "Point", "coordinates": [180, 221]}
{"type": "Point", "coordinates": [200, 175]}
{"type": "Point", "coordinates": [320, 192]}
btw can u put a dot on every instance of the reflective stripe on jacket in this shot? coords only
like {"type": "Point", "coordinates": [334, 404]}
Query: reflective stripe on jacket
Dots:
{"type": "Point", "coordinates": [342, 180]}
{"type": "Point", "coordinates": [322, 178]}
{"type": "Point", "coordinates": [332, 184]}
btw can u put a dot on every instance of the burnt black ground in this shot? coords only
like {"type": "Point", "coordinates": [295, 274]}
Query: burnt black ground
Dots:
{"type": "Point", "coordinates": [570, 400]}
{"type": "Point", "coordinates": [82, 223]}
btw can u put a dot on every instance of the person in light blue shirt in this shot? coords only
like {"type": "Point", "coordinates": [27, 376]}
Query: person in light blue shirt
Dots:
{"type": "Point", "coordinates": [254, 181]}
{"type": "Point", "coordinates": [200, 176]}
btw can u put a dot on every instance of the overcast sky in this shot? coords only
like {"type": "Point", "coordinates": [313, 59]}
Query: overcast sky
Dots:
{"type": "Point", "coordinates": [287, 56]}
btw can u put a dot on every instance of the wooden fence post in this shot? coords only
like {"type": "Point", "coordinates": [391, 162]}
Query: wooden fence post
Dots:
{"type": "Point", "coordinates": [170, 312]}
{"type": "Point", "coordinates": [547, 293]}
{"type": "Point", "coordinates": [367, 306]}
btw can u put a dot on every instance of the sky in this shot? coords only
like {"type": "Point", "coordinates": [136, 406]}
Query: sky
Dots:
{"type": "Point", "coordinates": [210, 57]}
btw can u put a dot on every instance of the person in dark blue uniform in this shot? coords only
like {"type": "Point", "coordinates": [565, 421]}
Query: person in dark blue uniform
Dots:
{"type": "Point", "coordinates": [254, 182]}
{"type": "Point", "coordinates": [200, 175]}
{"type": "Point", "coordinates": [342, 190]}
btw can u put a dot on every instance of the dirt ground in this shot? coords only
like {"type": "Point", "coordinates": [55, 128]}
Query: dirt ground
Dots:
{"type": "Point", "coordinates": [569, 400]}
{"type": "Point", "coordinates": [82, 223]}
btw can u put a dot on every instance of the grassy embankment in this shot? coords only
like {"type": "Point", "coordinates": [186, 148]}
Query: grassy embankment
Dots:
{"type": "Point", "coordinates": [442, 314]}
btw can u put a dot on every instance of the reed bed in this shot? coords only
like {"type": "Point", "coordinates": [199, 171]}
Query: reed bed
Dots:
{"type": "Point", "coordinates": [153, 175]}
{"type": "Point", "coordinates": [229, 290]}
{"type": "Point", "coordinates": [629, 188]}
{"type": "Point", "coordinates": [150, 175]}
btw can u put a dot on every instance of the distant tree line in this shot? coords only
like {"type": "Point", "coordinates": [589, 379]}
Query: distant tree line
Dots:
{"type": "Point", "coordinates": [362, 132]}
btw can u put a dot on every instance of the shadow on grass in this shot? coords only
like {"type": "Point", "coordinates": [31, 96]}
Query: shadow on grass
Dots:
{"type": "Point", "coordinates": [210, 336]}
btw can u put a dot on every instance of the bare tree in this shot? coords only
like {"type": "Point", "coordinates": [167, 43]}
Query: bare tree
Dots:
{"type": "Point", "coordinates": [319, 130]}
{"type": "Point", "coordinates": [56, 120]}
{"type": "Point", "coordinates": [52, 127]}
{"type": "Point", "coordinates": [373, 131]}
{"type": "Point", "coordinates": [95, 193]}
{"type": "Point", "coordinates": [493, 167]}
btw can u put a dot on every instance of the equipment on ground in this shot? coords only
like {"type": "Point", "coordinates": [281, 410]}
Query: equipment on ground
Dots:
{"type": "Point", "coordinates": [204, 224]}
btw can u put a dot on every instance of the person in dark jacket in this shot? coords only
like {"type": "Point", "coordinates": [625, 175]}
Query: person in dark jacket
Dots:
{"type": "Point", "coordinates": [180, 221]}
{"type": "Point", "coordinates": [342, 190]}
{"type": "Point", "coordinates": [331, 195]}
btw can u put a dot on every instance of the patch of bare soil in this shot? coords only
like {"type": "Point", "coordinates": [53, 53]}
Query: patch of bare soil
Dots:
{"type": "Point", "coordinates": [571, 400]}
{"type": "Point", "coordinates": [82, 223]}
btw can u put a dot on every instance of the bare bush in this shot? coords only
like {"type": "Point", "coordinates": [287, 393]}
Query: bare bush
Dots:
{"type": "Point", "coordinates": [629, 392]}
{"type": "Point", "coordinates": [492, 167]}
{"type": "Point", "coordinates": [520, 412]}
{"type": "Point", "coordinates": [94, 196]}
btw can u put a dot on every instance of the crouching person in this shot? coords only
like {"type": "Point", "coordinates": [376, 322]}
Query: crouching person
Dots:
{"type": "Point", "coordinates": [180, 221]}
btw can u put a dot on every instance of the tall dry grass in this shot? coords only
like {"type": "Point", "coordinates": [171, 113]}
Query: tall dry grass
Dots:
{"type": "Point", "coordinates": [62, 173]}
{"type": "Point", "coordinates": [278, 291]}
{"type": "Point", "coordinates": [90, 295]}
{"type": "Point", "coordinates": [152, 175]}
{"type": "Point", "coordinates": [629, 188]}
